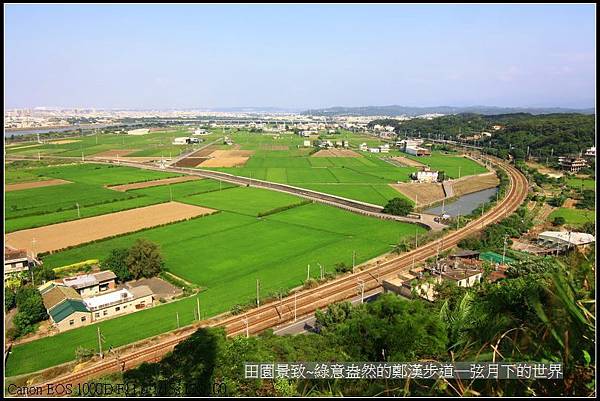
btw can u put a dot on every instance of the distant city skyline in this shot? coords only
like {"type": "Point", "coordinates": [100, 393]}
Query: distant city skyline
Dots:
{"type": "Point", "coordinates": [299, 57]}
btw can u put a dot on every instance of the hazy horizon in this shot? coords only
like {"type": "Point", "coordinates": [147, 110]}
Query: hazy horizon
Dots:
{"type": "Point", "coordinates": [299, 56]}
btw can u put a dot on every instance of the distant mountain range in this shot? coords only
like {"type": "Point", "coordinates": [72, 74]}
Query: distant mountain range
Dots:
{"type": "Point", "coordinates": [415, 111]}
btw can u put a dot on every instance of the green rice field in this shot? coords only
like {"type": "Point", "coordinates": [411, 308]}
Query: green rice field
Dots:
{"type": "Point", "coordinates": [224, 253]}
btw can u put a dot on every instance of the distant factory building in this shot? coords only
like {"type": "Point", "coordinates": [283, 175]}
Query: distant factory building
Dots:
{"type": "Point", "coordinates": [363, 147]}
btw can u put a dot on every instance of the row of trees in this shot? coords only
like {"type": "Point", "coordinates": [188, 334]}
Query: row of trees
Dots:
{"type": "Point", "coordinates": [546, 135]}
{"type": "Point", "coordinates": [143, 259]}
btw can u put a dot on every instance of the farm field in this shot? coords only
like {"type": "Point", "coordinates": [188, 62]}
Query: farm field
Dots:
{"type": "Point", "coordinates": [585, 183]}
{"type": "Point", "coordinates": [59, 236]}
{"type": "Point", "coordinates": [33, 184]}
{"type": "Point", "coordinates": [33, 207]}
{"type": "Point", "coordinates": [275, 249]}
{"type": "Point", "coordinates": [154, 144]}
{"type": "Point", "coordinates": [453, 165]}
{"type": "Point", "coordinates": [574, 216]}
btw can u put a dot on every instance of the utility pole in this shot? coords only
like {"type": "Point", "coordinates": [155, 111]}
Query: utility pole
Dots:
{"type": "Point", "coordinates": [246, 323]}
{"type": "Point", "coordinates": [321, 268]}
{"type": "Point", "coordinates": [33, 241]}
{"type": "Point", "coordinates": [459, 172]}
{"type": "Point", "coordinates": [295, 305]}
{"type": "Point", "coordinates": [198, 307]}
{"type": "Point", "coordinates": [504, 250]}
{"type": "Point", "coordinates": [353, 260]}
{"type": "Point", "coordinates": [362, 291]}
{"type": "Point", "coordinates": [78, 214]}
{"type": "Point", "coordinates": [308, 273]}
{"type": "Point", "coordinates": [416, 239]}
{"type": "Point", "coordinates": [257, 293]}
{"type": "Point", "coordinates": [177, 315]}
{"type": "Point", "coordinates": [100, 343]}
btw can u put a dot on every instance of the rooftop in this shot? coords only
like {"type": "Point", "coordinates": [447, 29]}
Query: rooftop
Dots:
{"type": "Point", "coordinates": [66, 309]}
{"type": "Point", "coordinates": [571, 237]}
{"type": "Point", "coordinates": [57, 294]}
{"type": "Point", "coordinates": [88, 280]}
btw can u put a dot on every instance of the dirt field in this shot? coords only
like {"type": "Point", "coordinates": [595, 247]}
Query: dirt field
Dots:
{"type": "Point", "coordinates": [154, 183]}
{"type": "Point", "coordinates": [545, 170]}
{"type": "Point", "coordinates": [34, 184]}
{"type": "Point", "coordinates": [63, 141]}
{"type": "Point", "coordinates": [423, 193]}
{"type": "Point", "coordinates": [333, 152]}
{"type": "Point", "coordinates": [407, 162]}
{"type": "Point", "coordinates": [224, 162]}
{"type": "Point", "coordinates": [59, 236]}
{"type": "Point", "coordinates": [115, 153]}
{"type": "Point", "coordinates": [227, 158]}
{"type": "Point", "coordinates": [474, 183]}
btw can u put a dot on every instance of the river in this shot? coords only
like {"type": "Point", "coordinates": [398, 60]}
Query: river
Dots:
{"type": "Point", "coordinates": [465, 204]}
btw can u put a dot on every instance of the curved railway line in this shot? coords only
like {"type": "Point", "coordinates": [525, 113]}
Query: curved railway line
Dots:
{"type": "Point", "coordinates": [306, 302]}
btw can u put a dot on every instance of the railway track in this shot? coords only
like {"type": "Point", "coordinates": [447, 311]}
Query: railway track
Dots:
{"type": "Point", "coordinates": [308, 301]}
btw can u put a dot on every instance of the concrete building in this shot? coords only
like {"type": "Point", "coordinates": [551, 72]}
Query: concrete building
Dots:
{"type": "Point", "coordinates": [16, 261]}
{"type": "Point", "coordinates": [565, 239]}
{"type": "Point", "coordinates": [374, 150]}
{"type": "Point", "coordinates": [139, 131]}
{"type": "Point", "coordinates": [182, 140]}
{"type": "Point", "coordinates": [591, 152]}
{"type": "Point", "coordinates": [385, 148]}
{"type": "Point", "coordinates": [417, 151]}
{"type": "Point", "coordinates": [200, 131]}
{"type": "Point", "coordinates": [88, 285]}
{"type": "Point", "coordinates": [119, 302]}
{"type": "Point", "coordinates": [307, 144]}
{"type": "Point", "coordinates": [572, 163]}
{"type": "Point", "coordinates": [363, 147]}
{"type": "Point", "coordinates": [425, 175]}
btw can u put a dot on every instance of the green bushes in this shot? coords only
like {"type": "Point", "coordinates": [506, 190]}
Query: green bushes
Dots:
{"type": "Point", "coordinates": [283, 208]}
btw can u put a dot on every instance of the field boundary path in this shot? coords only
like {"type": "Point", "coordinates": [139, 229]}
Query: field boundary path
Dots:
{"type": "Point", "coordinates": [305, 302]}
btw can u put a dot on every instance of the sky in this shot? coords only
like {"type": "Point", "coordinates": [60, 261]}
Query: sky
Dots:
{"type": "Point", "coordinates": [299, 56]}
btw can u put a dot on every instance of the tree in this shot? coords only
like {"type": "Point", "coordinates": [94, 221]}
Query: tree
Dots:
{"type": "Point", "coordinates": [116, 261]}
{"type": "Point", "coordinates": [10, 299]}
{"type": "Point", "coordinates": [558, 221]}
{"type": "Point", "coordinates": [43, 274]}
{"type": "Point", "coordinates": [398, 207]}
{"type": "Point", "coordinates": [144, 259]}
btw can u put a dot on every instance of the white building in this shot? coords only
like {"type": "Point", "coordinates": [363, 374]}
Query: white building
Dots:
{"type": "Point", "coordinates": [385, 148]}
{"type": "Point", "coordinates": [200, 131]}
{"type": "Point", "coordinates": [565, 238]}
{"type": "Point", "coordinates": [139, 131]}
{"type": "Point", "coordinates": [307, 144]}
{"type": "Point", "coordinates": [374, 150]}
{"type": "Point", "coordinates": [591, 151]}
{"type": "Point", "coordinates": [363, 147]}
{"type": "Point", "coordinates": [182, 140]}
{"type": "Point", "coordinates": [417, 151]}
{"type": "Point", "coordinates": [426, 176]}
